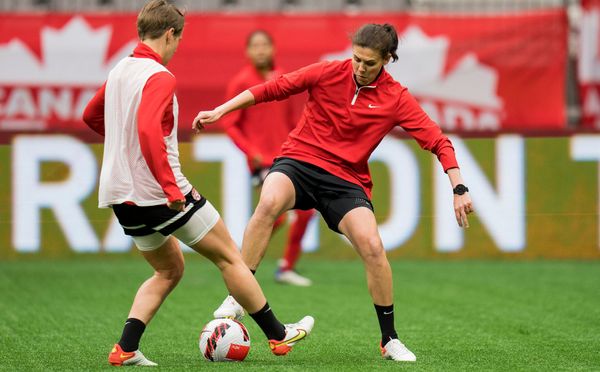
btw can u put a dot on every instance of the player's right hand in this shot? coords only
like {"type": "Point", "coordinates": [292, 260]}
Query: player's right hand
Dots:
{"type": "Point", "coordinates": [205, 117]}
{"type": "Point", "coordinates": [176, 205]}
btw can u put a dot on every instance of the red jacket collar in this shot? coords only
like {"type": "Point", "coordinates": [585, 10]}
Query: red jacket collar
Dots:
{"type": "Point", "coordinates": [144, 51]}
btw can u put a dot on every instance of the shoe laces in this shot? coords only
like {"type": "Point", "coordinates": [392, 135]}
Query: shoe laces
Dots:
{"type": "Point", "coordinates": [395, 345]}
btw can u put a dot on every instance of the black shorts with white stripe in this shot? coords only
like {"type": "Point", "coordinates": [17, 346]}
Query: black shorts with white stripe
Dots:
{"type": "Point", "coordinates": [316, 188]}
{"type": "Point", "coordinates": [141, 221]}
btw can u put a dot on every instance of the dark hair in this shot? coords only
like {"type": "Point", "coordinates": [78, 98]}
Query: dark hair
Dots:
{"type": "Point", "coordinates": [258, 32]}
{"type": "Point", "coordinates": [158, 16]}
{"type": "Point", "coordinates": [381, 38]}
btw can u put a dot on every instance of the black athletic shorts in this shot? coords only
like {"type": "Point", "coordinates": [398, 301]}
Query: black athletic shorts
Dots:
{"type": "Point", "coordinates": [316, 188]}
{"type": "Point", "coordinates": [140, 221]}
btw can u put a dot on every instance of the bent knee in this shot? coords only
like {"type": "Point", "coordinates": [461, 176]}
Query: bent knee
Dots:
{"type": "Point", "coordinates": [226, 256]}
{"type": "Point", "coordinates": [371, 249]}
{"type": "Point", "coordinates": [173, 274]}
{"type": "Point", "coordinates": [268, 208]}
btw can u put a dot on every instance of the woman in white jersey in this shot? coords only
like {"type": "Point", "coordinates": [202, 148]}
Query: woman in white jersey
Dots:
{"type": "Point", "coordinates": [141, 180]}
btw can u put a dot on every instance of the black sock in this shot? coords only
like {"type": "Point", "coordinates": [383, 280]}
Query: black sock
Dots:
{"type": "Point", "coordinates": [385, 315]}
{"type": "Point", "coordinates": [132, 332]}
{"type": "Point", "coordinates": [266, 320]}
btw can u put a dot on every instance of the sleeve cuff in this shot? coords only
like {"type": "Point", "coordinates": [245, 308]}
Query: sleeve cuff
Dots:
{"type": "Point", "coordinates": [258, 91]}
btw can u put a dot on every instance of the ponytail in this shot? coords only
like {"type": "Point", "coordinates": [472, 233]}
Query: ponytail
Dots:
{"type": "Point", "coordinates": [393, 46]}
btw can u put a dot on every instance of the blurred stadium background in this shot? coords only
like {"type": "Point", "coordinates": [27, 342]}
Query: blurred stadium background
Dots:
{"type": "Point", "coordinates": [516, 83]}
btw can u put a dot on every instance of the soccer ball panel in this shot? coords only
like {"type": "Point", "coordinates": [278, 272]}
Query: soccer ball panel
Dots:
{"type": "Point", "coordinates": [224, 340]}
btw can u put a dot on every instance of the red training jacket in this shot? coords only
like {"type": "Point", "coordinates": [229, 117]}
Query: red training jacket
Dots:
{"type": "Point", "coordinates": [342, 123]}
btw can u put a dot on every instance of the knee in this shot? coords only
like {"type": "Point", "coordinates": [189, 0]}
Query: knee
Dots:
{"type": "Point", "coordinates": [268, 209]}
{"type": "Point", "coordinates": [171, 275]}
{"type": "Point", "coordinates": [228, 257]}
{"type": "Point", "coordinates": [371, 250]}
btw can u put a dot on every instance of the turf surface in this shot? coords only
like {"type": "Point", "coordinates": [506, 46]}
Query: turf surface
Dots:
{"type": "Point", "coordinates": [454, 315]}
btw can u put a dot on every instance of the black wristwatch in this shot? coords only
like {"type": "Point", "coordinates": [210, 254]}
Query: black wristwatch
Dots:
{"type": "Point", "coordinates": [460, 189]}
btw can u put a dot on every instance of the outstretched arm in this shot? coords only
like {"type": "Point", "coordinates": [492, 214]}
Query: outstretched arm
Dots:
{"type": "Point", "coordinates": [278, 89]}
{"type": "Point", "coordinates": [240, 101]}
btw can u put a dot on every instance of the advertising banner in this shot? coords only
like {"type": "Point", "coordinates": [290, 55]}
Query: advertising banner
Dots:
{"type": "Point", "coordinates": [589, 63]}
{"type": "Point", "coordinates": [484, 73]}
{"type": "Point", "coordinates": [533, 197]}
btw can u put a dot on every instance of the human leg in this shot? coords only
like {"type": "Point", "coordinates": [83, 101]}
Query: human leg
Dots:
{"type": "Point", "coordinates": [206, 233]}
{"type": "Point", "coordinates": [360, 227]}
{"type": "Point", "coordinates": [168, 265]}
{"type": "Point", "coordinates": [277, 196]}
{"type": "Point", "coordinates": [218, 246]}
{"type": "Point", "coordinates": [258, 179]}
{"type": "Point", "coordinates": [279, 222]}
{"type": "Point", "coordinates": [286, 272]}
{"type": "Point", "coordinates": [297, 230]}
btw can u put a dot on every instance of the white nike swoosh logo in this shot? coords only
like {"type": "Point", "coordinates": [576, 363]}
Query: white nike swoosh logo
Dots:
{"type": "Point", "coordinates": [372, 106]}
{"type": "Point", "coordinates": [384, 313]}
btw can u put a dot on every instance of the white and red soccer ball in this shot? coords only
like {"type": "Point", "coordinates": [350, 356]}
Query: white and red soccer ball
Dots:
{"type": "Point", "coordinates": [224, 340]}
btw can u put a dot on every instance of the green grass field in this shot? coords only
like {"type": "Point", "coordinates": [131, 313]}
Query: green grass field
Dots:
{"type": "Point", "coordinates": [454, 315]}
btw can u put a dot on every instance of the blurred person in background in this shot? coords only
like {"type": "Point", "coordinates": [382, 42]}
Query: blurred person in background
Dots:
{"type": "Point", "coordinates": [259, 132]}
{"type": "Point", "coordinates": [323, 164]}
{"type": "Point", "coordinates": [141, 180]}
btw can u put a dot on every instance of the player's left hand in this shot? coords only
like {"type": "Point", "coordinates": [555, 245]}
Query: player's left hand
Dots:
{"type": "Point", "coordinates": [205, 117]}
{"type": "Point", "coordinates": [462, 207]}
{"type": "Point", "coordinates": [176, 205]}
{"type": "Point", "coordinates": [256, 161]}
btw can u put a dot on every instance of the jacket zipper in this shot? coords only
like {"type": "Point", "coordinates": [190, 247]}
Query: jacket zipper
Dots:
{"type": "Point", "coordinates": [358, 91]}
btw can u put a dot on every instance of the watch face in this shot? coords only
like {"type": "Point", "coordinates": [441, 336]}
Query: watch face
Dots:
{"type": "Point", "coordinates": [460, 189]}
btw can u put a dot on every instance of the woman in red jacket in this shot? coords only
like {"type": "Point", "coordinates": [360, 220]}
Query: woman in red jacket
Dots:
{"type": "Point", "coordinates": [323, 164]}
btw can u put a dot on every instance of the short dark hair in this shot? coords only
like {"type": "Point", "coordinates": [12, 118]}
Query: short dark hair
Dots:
{"type": "Point", "coordinates": [381, 38]}
{"type": "Point", "coordinates": [158, 16]}
{"type": "Point", "coordinates": [258, 32]}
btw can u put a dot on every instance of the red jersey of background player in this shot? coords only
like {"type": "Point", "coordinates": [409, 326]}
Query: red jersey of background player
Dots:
{"type": "Point", "coordinates": [259, 130]}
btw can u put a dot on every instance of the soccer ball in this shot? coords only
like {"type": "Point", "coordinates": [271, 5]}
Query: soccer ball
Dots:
{"type": "Point", "coordinates": [224, 340]}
